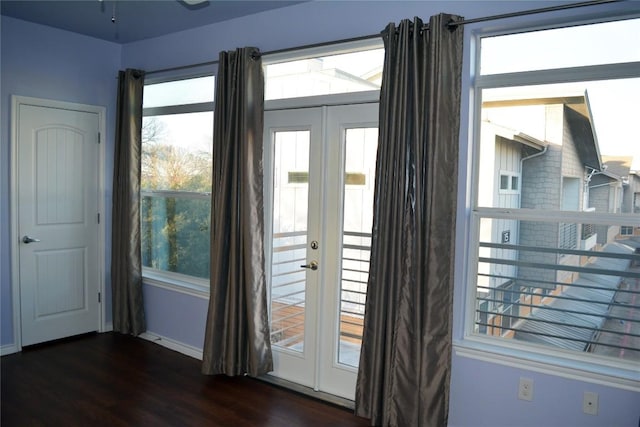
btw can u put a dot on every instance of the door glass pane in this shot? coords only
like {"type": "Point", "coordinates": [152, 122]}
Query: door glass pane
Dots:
{"type": "Point", "coordinates": [290, 207]}
{"type": "Point", "coordinates": [360, 164]}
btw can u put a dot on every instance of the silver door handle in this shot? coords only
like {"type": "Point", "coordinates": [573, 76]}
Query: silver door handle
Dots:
{"type": "Point", "coordinates": [312, 265]}
{"type": "Point", "coordinates": [27, 239]}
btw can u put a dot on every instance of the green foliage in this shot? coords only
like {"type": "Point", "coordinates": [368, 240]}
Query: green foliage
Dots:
{"type": "Point", "coordinates": [175, 214]}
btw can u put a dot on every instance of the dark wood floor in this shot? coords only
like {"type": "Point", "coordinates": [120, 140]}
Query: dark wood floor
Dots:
{"type": "Point", "coordinates": [116, 380]}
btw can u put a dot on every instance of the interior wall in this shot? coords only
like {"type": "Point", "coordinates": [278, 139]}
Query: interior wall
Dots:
{"type": "Point", "coordinates": [44, 62]}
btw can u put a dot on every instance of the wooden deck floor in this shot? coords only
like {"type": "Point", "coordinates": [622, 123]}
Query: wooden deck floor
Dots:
{"type": "Point", "coordinates": [288, 325]}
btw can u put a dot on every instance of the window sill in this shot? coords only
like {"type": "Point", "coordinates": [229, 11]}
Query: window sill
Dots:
{"type": "Point", "coordinates": [550, 362]}
{"type": "Point", "coordinates": [175, 283]}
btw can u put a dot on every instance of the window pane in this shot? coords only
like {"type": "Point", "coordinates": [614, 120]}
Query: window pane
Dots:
{"type": "Point", "coordinates": [504, 182]}
{"type": "Point", "coordinates": [290, 209]}
{"type": "Point", "coordinates": [567, 146]}
{"type": "Point", "coordinates": [361, 146]}
{"type": "Point", "coordinates": [349, 72]}
{"type": "Point", "coordinates": [176, 183]}
{"type": "Point", "coordinates": [179, 92]}
{"type": "Point", "coordinates": [176, 152]}
{"type": "Point", "coordinates": [569, 286]}
{"type": "Point", "coordinates": [595, 44]}
{"type": "Point", "coordinates": [175, 234]}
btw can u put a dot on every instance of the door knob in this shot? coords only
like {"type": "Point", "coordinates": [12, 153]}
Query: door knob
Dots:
{"type": "Point", "coordinates": [27, 239]}
{"type": "Point", "coordinates": [312, 265]}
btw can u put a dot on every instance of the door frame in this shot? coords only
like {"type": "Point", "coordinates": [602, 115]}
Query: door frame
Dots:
{"type": "Point", "coordinates": [322, 103]}
{"type": "Point", "coordinates": [14, 221]}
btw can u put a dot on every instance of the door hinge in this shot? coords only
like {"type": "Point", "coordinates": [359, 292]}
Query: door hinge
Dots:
{"type": "Point", "coordinates": [99, 297]}
{"type": "Point", "coordinates": [98, 217]}
{"type": "Point", "coordinates": [99, 137]}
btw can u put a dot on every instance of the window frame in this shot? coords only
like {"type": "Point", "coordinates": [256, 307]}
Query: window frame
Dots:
{"type": "Point", "coordinates": [190, 285]}
{"type": "Point", "coordinates": [586, 367]}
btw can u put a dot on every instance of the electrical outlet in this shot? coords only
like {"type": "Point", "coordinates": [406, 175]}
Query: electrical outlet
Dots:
{"type": "Point", "coordinates": [525, 389]}
{"type": "Point", "coordinates": [590, 403]}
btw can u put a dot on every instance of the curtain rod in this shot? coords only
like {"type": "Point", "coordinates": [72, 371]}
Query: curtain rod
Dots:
{"type": "Point", "coordinates": [451, 24]}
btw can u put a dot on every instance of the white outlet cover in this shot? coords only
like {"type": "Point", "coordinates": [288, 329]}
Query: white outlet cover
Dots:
{"type": "Point", "coordinates": [525, 389]}
{"type": "Point", "coordinates": [590, 403]}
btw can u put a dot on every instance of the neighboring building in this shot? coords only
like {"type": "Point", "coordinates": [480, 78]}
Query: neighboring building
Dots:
{"type": "Point", "coordinates": [631, 197]}
{"type": "Point", "coordinates": [606, 191]}
{"type": "Point", "coordinates": [615, 190]}
{"type": "Point", "coordinates": [545, 168]}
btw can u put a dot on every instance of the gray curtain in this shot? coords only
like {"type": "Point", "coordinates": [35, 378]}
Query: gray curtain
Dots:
{"type": "Point", "coordinates": [126, 277]}
{"type": "Point", "coordinates": [405, 362]}
{"type": "Point", "coordinates": [237, 331]}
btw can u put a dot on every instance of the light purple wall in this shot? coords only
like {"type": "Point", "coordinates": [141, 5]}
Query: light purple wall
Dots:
{"type": "Point", "coordinates": [484, 394]}
{"type": "Point", "coordinates": [174, 315]}
{"type": "Point", "coordinates": [43, 62]}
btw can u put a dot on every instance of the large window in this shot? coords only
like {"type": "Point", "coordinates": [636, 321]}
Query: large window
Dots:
{"type": "Point", "coordinates": [556, 270]}
{"type": "Point", "coordinates": [175, 215]}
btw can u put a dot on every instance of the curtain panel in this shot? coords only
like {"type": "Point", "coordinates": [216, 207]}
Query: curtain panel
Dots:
{"type": "Point", "coordinates": [237, 330]}
{"type": "Point", "coordinates": [405, 361]}
{"type": "Point", "coordinates": [126, 265]}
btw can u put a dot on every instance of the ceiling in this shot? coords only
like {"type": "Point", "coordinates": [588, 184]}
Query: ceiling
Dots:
{"type": "Point", "coordinates": [134, 19]}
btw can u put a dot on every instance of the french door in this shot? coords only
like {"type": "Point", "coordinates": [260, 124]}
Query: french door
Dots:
{"type": "Point", "coordinates": [319, 179]}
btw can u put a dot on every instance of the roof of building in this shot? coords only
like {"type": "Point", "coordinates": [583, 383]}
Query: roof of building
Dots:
{"type": "Point", "coordinates": [618, 165]}
{"type": "Point", "coordinates": [578, 114]}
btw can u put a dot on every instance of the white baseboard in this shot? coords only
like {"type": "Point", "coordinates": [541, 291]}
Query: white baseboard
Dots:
{"type": "Point", "coordinates": [185, 349]}
{"type": "Point", "coordinates": [8, 349]}
{"type": "Point", "coordinates": [108, 327]}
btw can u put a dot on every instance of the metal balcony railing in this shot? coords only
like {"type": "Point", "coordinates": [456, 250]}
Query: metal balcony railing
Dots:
{"type": "Point", "coordinates": [586, 301]}
{"type": "Point", "coordinates": [288, 287]}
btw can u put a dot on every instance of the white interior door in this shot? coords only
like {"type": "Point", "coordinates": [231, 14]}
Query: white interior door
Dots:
{"type": "Point", "coordinates": [320, 167]}
{"type": "Point", "coordinates": [57, 220]}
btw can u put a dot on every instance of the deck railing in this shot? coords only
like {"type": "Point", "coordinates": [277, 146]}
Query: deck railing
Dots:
{"type": "Point", "coordinates": [590, 304]}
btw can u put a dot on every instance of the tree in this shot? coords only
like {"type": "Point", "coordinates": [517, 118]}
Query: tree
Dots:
{"type": "Point", "coordinates": [175, 228]}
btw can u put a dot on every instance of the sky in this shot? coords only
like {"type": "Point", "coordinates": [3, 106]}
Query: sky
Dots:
{"type": "Point", "coordinates": [615, 104]}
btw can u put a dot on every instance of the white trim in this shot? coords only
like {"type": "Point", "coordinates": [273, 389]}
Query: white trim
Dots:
{"type": "Point", "coordinates": [183, 348]}
{"type": "Point", "coordinates": [348, 98]}
{"type": "Point", "coordinates": [16, 102]}
{"type": "Point", "coordinates": [543, 215]}
{"type": "Point", "coordinates": [587, 372]}
{"type": "Point", "coordinates": [173, 283]}
{"type": "Point", "coordinates": [8, 349]}
{"type": "Point", "coordinates": [565, 75]}
{"type": "Point", "coordinates": [198, 107]}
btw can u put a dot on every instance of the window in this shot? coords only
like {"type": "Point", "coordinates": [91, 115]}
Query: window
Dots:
{"type": "Point", "coordinates": [355, 70]}
{"type": "Point", "coordinates": [177, 132]}
{"type": "Point", "coordinates": [508, 182]}
{"type": "Point", "coordinates": [555, 267]}
{"type": "Point", "coordinates": [626, 230]}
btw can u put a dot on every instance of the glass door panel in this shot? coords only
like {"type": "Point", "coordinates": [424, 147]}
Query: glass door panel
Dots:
{"type": "Point", "coordinates": [319, 181]}
{"type": "Point", "coordinates": [289, 242]}
{"type": "Point", "coordinates": [350, 152]}
{"type": "Point", "coordinates": [361, 146]}
{"type": "Point", "coordinates": [292, 140]}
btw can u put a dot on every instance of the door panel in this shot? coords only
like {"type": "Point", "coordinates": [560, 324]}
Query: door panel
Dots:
{"type": "Point", "coordinates": [319, 171]}
{"type": "Point", "coordinates": [57, 208]}
{"type": "Point", "coordinates": [294, 139]}
{"type": "Point", "coordinates": [351, 149]}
